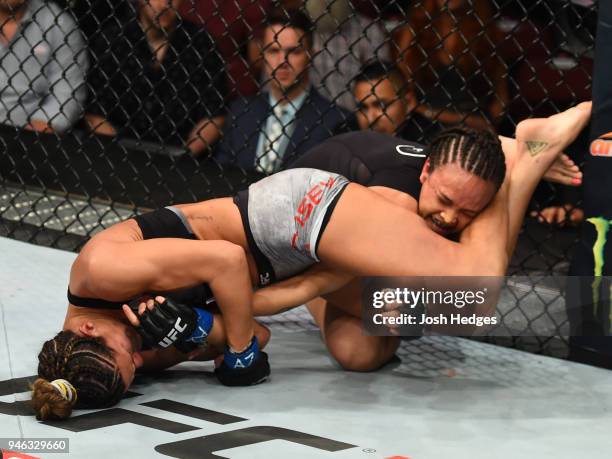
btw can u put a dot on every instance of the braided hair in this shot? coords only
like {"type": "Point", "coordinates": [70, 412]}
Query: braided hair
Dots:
{"type": "Point", "coordinates": [476, 151]}
{"type": "Point", "coordinates": [89, 366]}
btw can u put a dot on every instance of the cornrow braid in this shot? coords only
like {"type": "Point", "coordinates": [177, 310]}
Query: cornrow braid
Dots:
{"type": "Point", "coordinates": [476, 151]}
{"type": "Point", "coordinates": [87, 363]}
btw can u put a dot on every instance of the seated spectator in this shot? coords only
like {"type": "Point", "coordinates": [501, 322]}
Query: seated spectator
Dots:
{"type": "Point", "coordinates": [267, 131]}
{"type": "Point", "coordinates": [386, 103]}
{"type": "Point", "coordinates": [448, 49]}
{"type": "Point", "coordinates": [158, 79]}
{"type": "Point", "coordinates": [44, 62]}
{"type": "Point", "coordinates": [343, 42]}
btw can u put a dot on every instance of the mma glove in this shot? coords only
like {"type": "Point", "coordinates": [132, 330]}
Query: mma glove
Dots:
{"type": "Point", "coordinates": [245, 368]}
{"type": "Point", "coordinates": [171, 323]}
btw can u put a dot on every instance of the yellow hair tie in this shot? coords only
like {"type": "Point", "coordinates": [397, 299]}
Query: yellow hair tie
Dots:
{"type": "Point", "coordinates": [66, 390]}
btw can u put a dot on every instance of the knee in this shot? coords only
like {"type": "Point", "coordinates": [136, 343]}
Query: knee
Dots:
{"type": "Point", "coordinates": [365, 356]}
{"type": "Point", "coordinates": [233, 256]}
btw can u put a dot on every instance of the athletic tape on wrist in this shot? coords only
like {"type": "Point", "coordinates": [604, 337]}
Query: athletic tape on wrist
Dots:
{"type": "Point", "coordinates": [242, 359]}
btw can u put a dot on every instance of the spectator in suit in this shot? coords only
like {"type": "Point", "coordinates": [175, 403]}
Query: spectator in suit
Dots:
{"type": "Point", "coordinates": [269, 130]}
{"type": "Point", "coordinates": [44, 61]}
{"type": "Point", "coordinates": [158, 79]}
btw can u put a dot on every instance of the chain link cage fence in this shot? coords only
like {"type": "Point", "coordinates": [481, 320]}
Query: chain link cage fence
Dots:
{"type": "Point", "coordinates": [112, 108]}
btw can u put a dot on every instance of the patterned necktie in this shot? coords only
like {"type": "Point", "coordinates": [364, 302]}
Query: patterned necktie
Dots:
{"type": "Point", "coordinates": [270, 161]}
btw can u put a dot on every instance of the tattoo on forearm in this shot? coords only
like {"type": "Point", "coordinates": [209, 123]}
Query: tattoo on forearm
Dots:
{"type": "Point", "coordinates": [536, 147]}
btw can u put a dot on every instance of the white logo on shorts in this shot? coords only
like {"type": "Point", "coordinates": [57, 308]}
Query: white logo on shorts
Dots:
{"type": "Point", "coordinates": [264, 279]}
{"type": "Point", "coordinates": [411, 150]}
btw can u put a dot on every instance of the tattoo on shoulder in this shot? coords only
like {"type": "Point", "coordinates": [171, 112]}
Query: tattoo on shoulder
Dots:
{"type": "Point", "coordinates": [536, 147]}
{"type": "Point", "coordinates": [208, 218]}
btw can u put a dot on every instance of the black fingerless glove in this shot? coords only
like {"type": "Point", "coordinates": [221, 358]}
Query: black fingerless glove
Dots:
{"type": "Point", "coordinates": [169, 323]}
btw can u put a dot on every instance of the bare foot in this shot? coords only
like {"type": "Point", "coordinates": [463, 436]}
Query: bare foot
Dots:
{"type": "Point", "coordinates": [564, 171]}
{"type": "Point", "coordinates": [541, 140]}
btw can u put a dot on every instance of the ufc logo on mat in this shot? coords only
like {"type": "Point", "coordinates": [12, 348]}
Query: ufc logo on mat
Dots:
{"type": "Point", "coordinates": [196, 447]}
{"type": "Point", "coordinates": [172, 334]}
